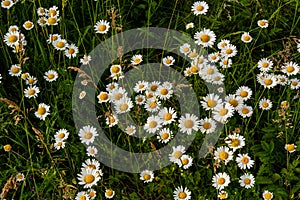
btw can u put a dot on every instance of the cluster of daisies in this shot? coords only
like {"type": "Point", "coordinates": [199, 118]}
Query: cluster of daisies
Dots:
{"type": "Point", "coordinates": [8, 3]}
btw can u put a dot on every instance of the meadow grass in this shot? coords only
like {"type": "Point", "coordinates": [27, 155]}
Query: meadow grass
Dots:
{"type": "Point", "coordinates": [52, 173]}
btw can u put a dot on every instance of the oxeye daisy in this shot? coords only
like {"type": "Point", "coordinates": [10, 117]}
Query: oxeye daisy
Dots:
{"type": "Point", "coordinates": [152, 86]}
{"type": "Point", "coordinates": [223, 154]}
{"type": "Point", "coordinates": [263, 23]}
{"type": "Point", "coordinates": [265, 64]}
{"type": "Point", "coordinates": [41, 11]}
{"type": "Point", "coordinates": [187, 72]}
{"type": "Point", "coordinates": [109, 193]}
{"type": "Point", "coordinates": [208, 72]}
{"type": "Point", "coordinates": [71, 51]}
{"type": "Point", "coordinates": [193, 54]}
{"type": "Point", "coordinates": [117, 94]}
{"type": "Point", "coordinates": [85, 59]}
{"type": "Point", "coordinates": [235, 141]}
{"type": "Point", "coordinates": [15, 70]}
{"type": "Point", "coordinates": [88, 178]}
{"type": "Point", "coordinates": [267, 195]}
{"type": "Point", "coordinates": [60, 44]}
{"type": "Point", "coordinates": [115, 69]}
{"type": "Point", "coordinates": [153, 124]}
{"type": "Point", "coordinates": [189, 26]}
{"type": "Point", "coordinates": [28, 25]}
{"type": "Point", "coordinates": [7, 147]}
{"type": "Point", "coordinates": [91, 193]}
{"type": "Point", "coordinates": [140, 86]}
{"type": "Point", "coordinates": [61, 134]}
{"type": "Point", "coordinates": [290, 68]}
{"type": "Point", "coordinates": [265, 104]}
{"type": "Point", "coordinates": [223, 194]}
{"type": "Point", "coordinates": [210, 101]}
{"type": "Point", "coordinates": [244, 92]}
{"type": "Point", "coordinates": [87, 134]}
{"type": "Point", "coordinates": [102, 27]}
{"type": "Point", "coordinates": [164, 92]}
{"type": "Point", "coordinates": [91, 151]}
{"type": "Point", "coordinates": [112, 120]}
{"type": "Point", "coordinates": [282, 79]}
{"type": "Point", "coordinates": [290, 147]}
{"type": "Point", "coordinates": [164, 135]}
{"type": "Point", "coordinates": [246, 37]}
{"type": "Point", "coordinates": [51, 75]}
{"type": "Point", "coordinates": [223, 43]}
{"type": "Point", "coordinates": [31, 91]}
{"type": "Point", "coordinates": [53, 11]}
{"type": "Point", "coordinates": [268, 80]}
{"type": "Point", "coordinates": [52, 21]}
{"type": "Point", "coordinates": [229, 51]}
{"type": "Point", "coordinates": [200, 8]}
{"type": "Point", "coordinates": [167, 115]}
{"type": "Point", "coordinates": [111, 86]}
{"type": "Point", "coordinates": [103, 97]}
{"type": "Point", "coordinates": [130, 130]}
{"type": "Point", "coordinates": [225, 62]}
{"type": "Point", "coordinates": [124, 105]}
{"type": "Point", "coordinates": [13, 28]}
{"type": "Point", "coordinates": [247, 181]}
{"type": "Point", "coordinates": [7, 4]}
{"type": "Point", "coordinates": [168, 61]}
{"type": "Point", "coordinates": [24, 75]}
{"type": "Point", "coordinates": [181, 193]}
{"type": "Point", "coordinates": [53, 37]}
{"type": "Point", "coordinates": [245, 111]}
{"type": "Point", "coordinates": [59, 144]}
{"type": "Point", "coordinates": [140, 99]}
{"type": "Point", "coordinates": [136, 59]}
{"type": "Point", "coordinates": [294, 83]}
{"type": "Point", "coordinates": [82, 94]}
{"type": "Point", "coordinates": [217, 79]}
{"type": "Point", "coordinates": [186, 161]}
{"type": "Point", "coordinates": [152, 105]}
{"type": "Point", "coordinates": [185, 49]}
{"type": "Point", "coordinates": [176, 154]}
{"type": "Point", "coordinates": [42, 21]}
{"type": "Point", "coordinates": [82, 195]}
{"type": "Point", "coordinates": [147, 176]}
{"type": "Point", "coordinates": [207, 125]}
{"type": "Point", "coordinates": [195, 68]}
{"type": "Point", "coordinates": [234, 100]}
{"type": "Point", "coordinates": [12, 38]}
{"type": "Point", "coordinates": [244, 161]}
{"type": "Point", "coordinates": [220, 180]}
{"type": "Point", "coordinates": [284, 105]}
{"type": "Point", "coordinates": [213, 57]}
{"type": "Point", "coordinates": [188, 123]}
{"type": "Point", "coordinates": [91, 164]}
{"type": "Point", "coordinates": [20, 177]}
{"type": "Point", "coordinates": [42, 111]}
{"type": "Point", "coordinates": [222, 112]}
{"type": "Point", "coordinates": [206, 38]}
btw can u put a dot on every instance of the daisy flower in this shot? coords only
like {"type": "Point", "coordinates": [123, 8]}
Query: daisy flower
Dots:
{"type": "Point", "coordinates": [235, 101]}
{"type": "Point", "coordinates": [244, 161]}
{"type": "Point", "coordinates": [88, 178]}
{"type": "Point", "coordinates": [268, 80]}
{"type": "Point", "coordinates": [147, 176]}
{"type": "Point", "coordinates": [267, 195]}
{"type": "Point", "coordinates": [214, 57]}
{"type": "Point", "coordinates": [164, 92]}
{"type": "Point", "coordinates": [193, 54]}
{"type": "Point", "coordinates": [244, 92]}
{"type": "Point", "coordinates": [207, 125]}
{"type": "Point", "coordinates": [123, 105]}
{"type": "Point", "coordinates": [103, 97]}
{"type": "Point", "coordinates": [112, 120]}
{"type": "Point", "coordinates": [167, 115]}
{"type": "Point", "coordinates": [223, 194]}
{"type": "Point", "coordinates": [223, 154]}
{"type": "Point", "coordinates": [206, 38]}
{"type": "Point", "coordinates": [245, 111]}
{"type": "Point", "coordinates": [12, 38]}
{"type": "Point", "coordinates": [290, 147]}
{"type": "Point", "coordinates": [235, 141]}
{"type": "Point", "coordinates": [41, 11]}
{"type": "Point", "coordinates": [195, 68]}
{"type": "Point", "coordinates": [290, 68]}
{"type": "Point", "coordinates": [222, 112]}
{"type": "Point", "coordinates": [152, 105]}
{"type": "Point", "coordinates": [91, 164]}
{"type": "Point", "coordinates": [211, 101]}
{"type": "Point", "coordinates": [117, 94]}
{"type": "Point", "coordinates": [60, 44]}
{"type": "Point", "coordinates": [189, 26]}
{"type": "Point", "coordinates": [164, 135]}
{"type": "Point", "coordinates": [52, 21]}
{"type": "Point", "coordinates": [7, 147]}
{"type": "Point", "coordinates": [282, 79]}
{"type": "Point", "coordinates": [53, 37]}
{"type": "Point", "coordinates": [220, 180]}
{"type": "Point", "coordinates": [53, 11]}
{"type": "Point", "coordinates": [229, 51]}
{"type": "Point", "coordinates": [82, 195]}
{"type": "Point", "coordinates": [176, 154]}
{"type": "Point", "coordinates": [140, 99]}
{"type": "Point", "coordinates": [152, 86]}
{"type": "Point", "coordinates": [82, 94]}
{"type": "Point", "coordinates": [15, 70]}
{"type": "Point", "coordinates": [102, 27]}
{"type": "Point", "coordinates": [186, 161]}
{"type": "Point", "coordinates": [187, 72]}
{"type": "Point", "coordinates": [87, 134]}
{"type": "Point", "coordinates": [109, 193]}
{"type": "Point", "coordinates": [91, 151]}
{"type": "Point", "coordinates": [246, 37]}
{"type": "Point", "coordinates": [200, 8]}
{"type": "Point", "coordinates": [223, 43]}
{"type": "Point", "coordinates": [25, 75]}
{"type": "Point", "coordinates": [7, 4]}
{"type": "Point", "coordinates": [284, 105]}
{"type": "Point", "coordinates": [247, 181]}
{"type": "Point", "coordinates": [225, 62]}
{"type": "Point", "coordinates": [136, 59]}
{"type": "Point", "coordinates": [181, 193]}
{"type": "Point", "coordinates": [188, 123]}
{"type": "Point", "coordinates": [59, 145]}
{"type": "Point", "coordinates": [115, 69]}
{"type": "Point", "coordinates": [217, 79]}
{"type": "Point", "coordinates": [111, 86]}
{"type": "Point", "coordinates": [51, 75]}
{"type": "Point", "coordinates": [263, 23]}
{"type": "Point", "coordinates": [42, 21]}
{"type": "Point", "coordinates": [294, 83]}
{"type": "Point", "coordinates": [185, 49]}
{"type": "Point", "coordinates": [209, 72]}
{"type": "Point", "coordinates": [31, 91]}
{"type": "Point", "coordinates": [20, 177]}
{"type": "Point", "coordinates": [85, 59]}
{"type": "Point", "coordinates": [168, 61]}
{"type": "Point", "coordinates": [265, 104]}
{"type": "Point", "coordinates": [42, 111]}
{"type": "Point", "coordinates": [130, 130]}
{"type": "Point", "coordinates": [71, 51]}
{"type": "Point", "coordinates": [265, 64]}
{"type": "Point", "coordinates": [61, 134]}
{"type": "Point", "coordinates": [91, 193]}
{"type": "Point", "coordinates": [140, 86]}
{"type": "Point", "coordinates": [28, 25]}
{"type": "Point", "coordinates": [153, 124]}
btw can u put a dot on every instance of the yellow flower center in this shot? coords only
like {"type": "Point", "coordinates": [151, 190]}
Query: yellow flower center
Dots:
{"type": "Point", "coordinates": [186, 49]}
{"type": "Point", "coordinates": [213, 57]}
{"type": "Point", "coordinates": [92, 151]}
{"type": "Point", "coordinates": [268, 81]}
{"type": "Point", "coordinates": [225, 62]}
{"type": "Point", "coordinates": [52, 13]}
{"type": "Point", "coordinates": [147, 176]}
{"type": "Point", "coordinates": [12, 38]}
{"type": "Point", "coordinates": [221, 181]}
{"type": "Point", "coordinates": [124, 107]}
{"type": "Point", "coordinates": [115, 69]}
{"type": "Point", "coordinates": [165, 136]}
{"type": "Point", "coordinates": [52, 20]}
{"type": "Point", "coordinates": [28, 25]}
{"type": "Point", "coordinates": [210, 71]}
{"type": "Point", "coordinates": [235, 142]}
{"type": "Point", "coordinates": [103, 96]}
{"type": "Point", "coordinates": [31, 92]}
{"type": "Point", "coordinates": [185, 161]}
{"type": "Point", "coordinates": [137, 60]}
{"type": "Point", "coordinates": [246, 37]}
{"type": "Point", "coordinates": [194, 69]}
{"type": "Point", "coordinates": [92, 194]}
{"type": "Point", "coordinates": [222, 196]}
{"type": "Point", "coordinates": [60, 44]}
{"type": "Point", "coordinates": [247, 181]}
{"type": "Point", "coordinates": [140, 99]}
{"type": "Point", "coordinates": [245, 110]}
{"type": "Point", "coordinates": [265, 65]}
{"type": "Point", "coordinates": [118, 96]}
{"type": "Point", "coordinates": [265, 104]}
{"type": "Point", "coordinates": [268, 196]}
{"type": "Point", "coordinates": [228, 51]}
{"type": "Point", "coordinates": [25, 75]}
{"type": "Point", "coordinates": [206, 125]}
{"type": "Point", "coordinates": [243, 93]}
{"type": "Point", "coordinates": [223, 111]}
{"type": "Point", "coordinates": [177, 154]}
{"type": "Point", "coordinates": [153, 88]}
{"type": "Point", "coordinates": [294, 83]}
{"type": "Point", "coordinates": [89, 178]}
{"type": "Point", "coordinates": [182, 195]}
{"type": "Point", "coordinates": [54, 38]}
{"type": "Point", "coordinates": [50, 76]}
{"type": "Point", "coordinates": [88, 135]}
{"type": "Point", "coordinates": [199, 8]}
{"type": "Point", "coordinates": [211, 103]}
{"type": "Point", "coordinates": [15, 70]}
{"type": "Point", "coordinates": [152, 124]}
{"type": "Point", "coordinates": [6, 3]}
{"type": "Point", "coordinates": [109, 192]}
{"type": "Point", "coordinates": [164, 91]}
{"type": "Point", "coordinates": [205, 38]}
{"type": "Point", "coordinates": [71, 51]}
{"type": "Point", "coordinates": [41, 110]}
{"type": "Point", "coordinates": [61, 135]}
{"type": "Point", "coordinates": [7, 147]}
{"type": "Point", "coordinates": [223, 45]}
{"type": "Point", "coordinates": [112, 120]}
{"type": "Point", "coordinates": [82, 198]}
{"type": "Point", "coordinates": [193, 54]}
{"type": "Point", "coordinates": [102, 27]}
{"type": "Point", "coordinates": [262, 23]}
{"type": "Point", "coordinates": [168, 61]}
{"type": "Point", "coordinates": [290, 147]}
{"type": "Point", "coordinates": [167, 116]}
{"type": "Point", "coordinates": [223, 155]}
{"type": "Point", "coordinates": [59, 144]}
{"type": "Point", "coordinates": [245, 160]}
{"type": "Point", "coordinates": [152, 104]}
{"type": "Point", "coordinates": [189, 123]}
{"type": "Point", "coordinates": [290, 69]}
{"type": "Point", "coordinates": [233, 102]}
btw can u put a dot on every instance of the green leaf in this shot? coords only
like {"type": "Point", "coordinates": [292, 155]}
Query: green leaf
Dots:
{"type": "Point", "coordinates": [263, 180]}
{"type": "Point", "coordinates": [265, 146]}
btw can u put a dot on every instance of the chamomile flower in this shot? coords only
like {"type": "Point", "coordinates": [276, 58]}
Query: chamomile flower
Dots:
{"type": "Point", "coordinates": [164, 92]}
{"type": "Point", "coordinates": [103, 97]}
{"type": "Point", "coordinates": [88, 178]}
{"type": "Point", "coordinates": [42, 111]}
{"type": "Point", "coordinates": [189, 26]}
{"type": "Point", "coordinates": [140, 86]}
{"type": "Point", "coordinates": [181, 193]}
{"type": "Point", "coordinates": [140, 99]}
{"type": "Point", "coordinates": [200, 8]}
{"type": "Point", "coordinates": [284, 105]}
{"type": "Point", "coordinates": [153, 124]}
{"type": "Point", "coordinates": [265, 64]}
{"type": "Point", "coordinates": [42, 21]}
{"type": "Point", "coordinates": [265, 104]}
{"type": "Point", "coordinates": [60, 44]}
{"type": "Point", "coordinates": [268, 80]}
{"type": "Point", "coordinates": [290, 147]}
{"type": "Point", "coordinates": [82, 195]}
{"type": "Point", "coordinates": [85, 59]}
{"type": "Point", "coordinates": [185, 49]}
{"type": "Point", "coordinates": [91, 164]}
{"type": "Point", "coordinates": [187, 72]}
{"type": "Point", "coordinates": [53, 37]}
{"type": "Point", "coordinates": [111, 86]}
{"type": "Point", "coordinates": [61, 135]}
{"type": "Point", "coordinates": [53, 11]}
{"type": "Point", "coordinates": [59, 144]}
{"type": "Point", "coordinates": [52, 21]}
{"type": "Point", "coordinates": [235, 141]}
{"type": "Point", "coordinates": [193, 54]}
{"type": "Point", "coordinates": [51, 75]}
{"type": "Point", "coordinates": [112, 120]}
{"type": "Point", "coordinates": [20, 177]}
{"type": "Point", "coordinates": [186, 161]}
{"type": "Point", "coordinates": [210, 101]}
{"type": "Point", "coordinates": [168, 61]}
{"type": "Point", "coordinates": [214, 57]}
{"type": "Point", "coordinates": [41, 11]}
{"type": "Point", "coordinates": [24, 75]}
{"type": "Point", "coordinates": [91, 151]}
{"type": "Point", "coordinates": [223, 43]}
{"type": "Point", "coordinates": [152, 105]}
{"type": "Point", "coordinates": [92, 194]}
{"type": "Point", "coordinates": [263, 23]}
{"type": "Point", "coordinates": [217, 79]}
{"type": "Point", "coordinates": [267, 195]}
{"type": "Point", "coordinates": [246, 37]}
{"type": "Point", "coordinates": [117, 94]}
{"type": "Point", "coordinates": [164, 135]}
{"type": "Point", "coordinates": [7, 147]}
{"type": "Point", "coordinates": [123, 105]}
{"type": "Point", "coordinates": [12, 38]}
{"type": "Point", "coordinates": [234, 100]}
{"type": "Point", "coordinates": [28, 25]}
{"type": "Point", "coordinates": [87, 134]}
{"type": "Point", "coordinates": [222, 112]}
{"type": "Point", "coordinates": [15, 70]}
{"type": "Point", "coordinates": [147, 176]}
{"type": "Point", "coordinates": [71, 51]}
{"type": "Point", "coordinates": [207, 125]}
{"type": "Point", "coordinates": [209, 72]}
{"type": "Point", "coordinates": [130, 130]}
{"type": "Point", "coordinates": [31, 91]}
{"type": "Point", "coordinates": [223, 194]}
{"type": "Point", "coordinates": [102, 27]}
{"type": "Point", "coordinates": [290, 68]}
{"type": "Point", "coordinates": [229, 51]}
{"type": "Point", "coordinates": [282, 79]}
{"type": "Point", "coordinates": [244, 161]}
{"type": "Point", "coordinates": [220, 180]}
{"type": "Point", "coordinates": [176, 154]}
{"type": "Point", "coordinates": [244, 92]}
{"type": "Point", "coordinates": [115, 69]}
{"type": "Point", "coordinates": [225, 62]}
{"type": "Point", "coordinates": [205, 38]}
{"type": "Point", "coordinates": [167, 115]}
{"type": "Point", "coordinates": [245, 111]}
{"type": "Point", "coordinates": [195, 68]}
{"type": "Point", "coordinates": [223, 154]}
{"type": "Point", "coordinates": [136, 59]}
{"type": "Point", "coordinates": [188, 123]}
{"type": "Point", "coordinates": [7, 4]}
{"type": "Point", "coordinates": [109, 193]}
{"type": "Point", "coordinates": [294, 83]}
{"type": "Point", "coordinates": [247, 180]}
